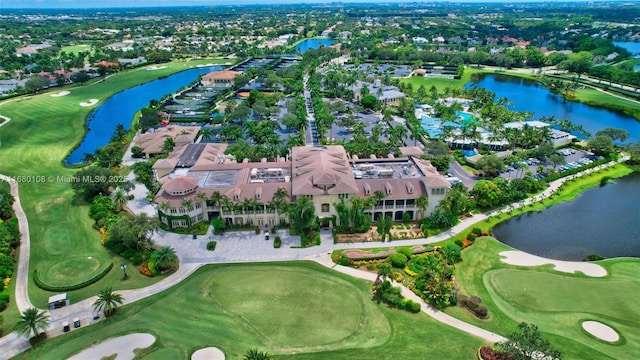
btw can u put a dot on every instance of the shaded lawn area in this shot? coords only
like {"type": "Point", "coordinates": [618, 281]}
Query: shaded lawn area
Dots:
{"type": "Point", "coordinates": [292, 310]}
{"type": "Point", "coordinates": [557, 302]}
{"type": "Point", "coordinates": [43, 130]}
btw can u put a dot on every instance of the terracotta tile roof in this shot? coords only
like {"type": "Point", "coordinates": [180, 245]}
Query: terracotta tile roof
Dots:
{"type": "Point", "coordinates": [316, 167]}
{"type": "Point", "coordinates": [222, 75]}
{"type": "Point", "coordinates": [151, 143]}
{"type": "Point", "coordinates": [180, 185]}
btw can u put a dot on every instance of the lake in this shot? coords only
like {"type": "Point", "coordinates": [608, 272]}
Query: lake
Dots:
{"type": "Point", "coordinates": [121, 107]}
{"type": "Point", "coordinates": [530, 96]}
{"type": "Point", "coordinates": [602, 221]}
{"type": "Point", "coordinates": [314, 43]}
{"type": "Point", "coordinates": [632, 47]}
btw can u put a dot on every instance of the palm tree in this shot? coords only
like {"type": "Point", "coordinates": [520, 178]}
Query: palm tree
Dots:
{"type": "Point", "coordinates": [202, 197]}
{"type": "Point", "coordinates": [107, 301]}
{"type": "Point", "coordinates": [120, 133]}
{"type": "Point", "coordinates": [279, 202]}
{"type": "Point", "coordinates": [187, 204]}
{"type": "Point", "coordinates": [164, 258]}
{"type": "Point", "coordinates": [384, 272]}
{"type": "Point", "coordinates": [164, 206]}
{"type": "Point", "coordinates": [206, 133]}
{"type": "Point", "coordinates": [119, 198]}
{"type": "Point", "coordinates": [302, 215]}
{"type": "Point", "coordinates": [32, 321]}
{"type": "Point", "coordinates": [422, 203]}
{"type": "Point", "coordinates": [254, 354]}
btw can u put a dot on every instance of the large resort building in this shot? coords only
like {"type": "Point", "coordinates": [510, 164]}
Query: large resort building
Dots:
{"type": "Point", "coordinates": [199, 182]}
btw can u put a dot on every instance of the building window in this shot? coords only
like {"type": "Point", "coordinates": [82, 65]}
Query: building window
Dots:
{"type": "Point", "coordinates": [437, 191]}
{"type": "Point", "coordinates": [174, 210]}
{"type": "Point", "coordinates": [179, 223]}
{"type": "Point", "coordinates": [325, 208]}
{"type": "Point", "coordinates": [199, 217]}
{"type": "Point", "coordinates": [343, 196]}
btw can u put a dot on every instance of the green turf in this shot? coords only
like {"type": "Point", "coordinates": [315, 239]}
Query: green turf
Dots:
{"type": "Point", "coordinates": [74, 49]}
{"type": "Point", "coordinates": [439, 83]}
{"type": "Point", "coordinates": [244, 306]}
{"type": "Point", "coordinates": [598, 98]}
{"type": "Point", "coordinates": [557, 302]}
{"type": "Point", "coordinates": [43, 130]}
{"type": "Point", "coordinates": [81, 267]}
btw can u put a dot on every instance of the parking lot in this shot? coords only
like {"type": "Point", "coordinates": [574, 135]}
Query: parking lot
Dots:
{"type": "Point", "coordinates": [573, 158]}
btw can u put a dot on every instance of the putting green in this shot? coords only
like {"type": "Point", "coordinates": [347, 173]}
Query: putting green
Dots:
{"type": "Point", "coordinates": [544, 292]}
{"type": "Point", "coordinates": [319, 311]}
{"type": "Point", "coordinates": [71, 271]}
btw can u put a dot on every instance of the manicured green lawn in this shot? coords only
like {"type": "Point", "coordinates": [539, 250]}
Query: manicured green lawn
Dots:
{"type": "Point", "coordinates": [557, 302]}
{"type": "Point", "coordinates": [74, 49]}
{"type": "Point", "coordinates": [295, 310]}
{"type": "Point", "coordinates": [441, 84]}
{"type": "Point", "coordinates": [598, 98]}
{"type": "Point", "coordinates": [43, 130]}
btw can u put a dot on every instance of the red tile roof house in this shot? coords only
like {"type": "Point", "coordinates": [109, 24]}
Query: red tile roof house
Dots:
{"type": "Point", "coordinates": [326, 175]}
{"type": "Point", "coordinates": [222, 78]}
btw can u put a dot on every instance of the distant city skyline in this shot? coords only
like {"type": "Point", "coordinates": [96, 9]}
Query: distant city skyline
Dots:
{"type": "Point", "coordinates": [85, 4]}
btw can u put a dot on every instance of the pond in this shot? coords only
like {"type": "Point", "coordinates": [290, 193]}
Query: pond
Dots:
{"type": "Point", "coordinates": [121, 107]}
{"type": "Point", "coordinates": [530, 96]}
{"type": "Point", "coordinates": [632, 47]}
{"type": "Point", "coordinates": [602, 221]}
{"type": "Point", "coordinates": [314, 43]}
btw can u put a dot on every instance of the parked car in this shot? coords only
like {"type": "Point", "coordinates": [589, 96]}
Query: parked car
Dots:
{"type": "Point", "coordinates": [65, 327]}
{"type": "Point", "coordinates": [76, 323]}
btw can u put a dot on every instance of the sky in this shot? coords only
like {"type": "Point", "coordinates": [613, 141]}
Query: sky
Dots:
{"type": "Point", "coordinates": [52, 4]}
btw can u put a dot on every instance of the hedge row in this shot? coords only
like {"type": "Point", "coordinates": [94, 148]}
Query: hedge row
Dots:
{"type": "Point", "coordinates": [43, 286]}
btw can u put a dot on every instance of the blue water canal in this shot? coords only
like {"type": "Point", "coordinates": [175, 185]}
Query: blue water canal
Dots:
{"type": "Point", "coordinates": [530, 96]}
{"type": "Point", "coordinates": [312, 44]}
{"type": "Point", "coordinates": [121, 107]}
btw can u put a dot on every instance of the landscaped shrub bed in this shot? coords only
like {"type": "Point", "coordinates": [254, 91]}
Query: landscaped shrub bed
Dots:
{"type": "Point", "coordinates": [398, 260]}
{"type": "Point", "coordinates": [211, 245]}
{"type": "Point", "coordinates": [4, 299]}
{"type": "Point", "coordinates": [277, 242]}
{"type": "Point", "coordinates": [200, 228]}
{"type": "Point", "coordinates": [43, 286]}
{"type": "Point", "coordinates": [487, 353]}
{"type": "Point", "coordinates": [391, 296]}
{"type": "Point", "coordinates": [473, 304]}
{"type": "Point", "coordinates": [9, 239]}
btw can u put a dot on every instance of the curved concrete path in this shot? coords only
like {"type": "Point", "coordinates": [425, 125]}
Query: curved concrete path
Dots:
{"type": "Point", "coordinates": [12, 345]}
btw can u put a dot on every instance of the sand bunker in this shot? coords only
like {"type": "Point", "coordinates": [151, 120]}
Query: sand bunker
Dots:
{"type": "Point", "coordinates": [155, 67]}
{"type": "Point", "coordinates": [89, 103]}
{"type": "Point", "coordinates": [61, 93]}
{"type": "Point", "coordinates": [123, 346]}
{"type": "Point", "coordinates": [601, 331]}
{"type": "Point", "coordinates": [520, 258]}
{"type": "Point", "coordinates": [210, 353]}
